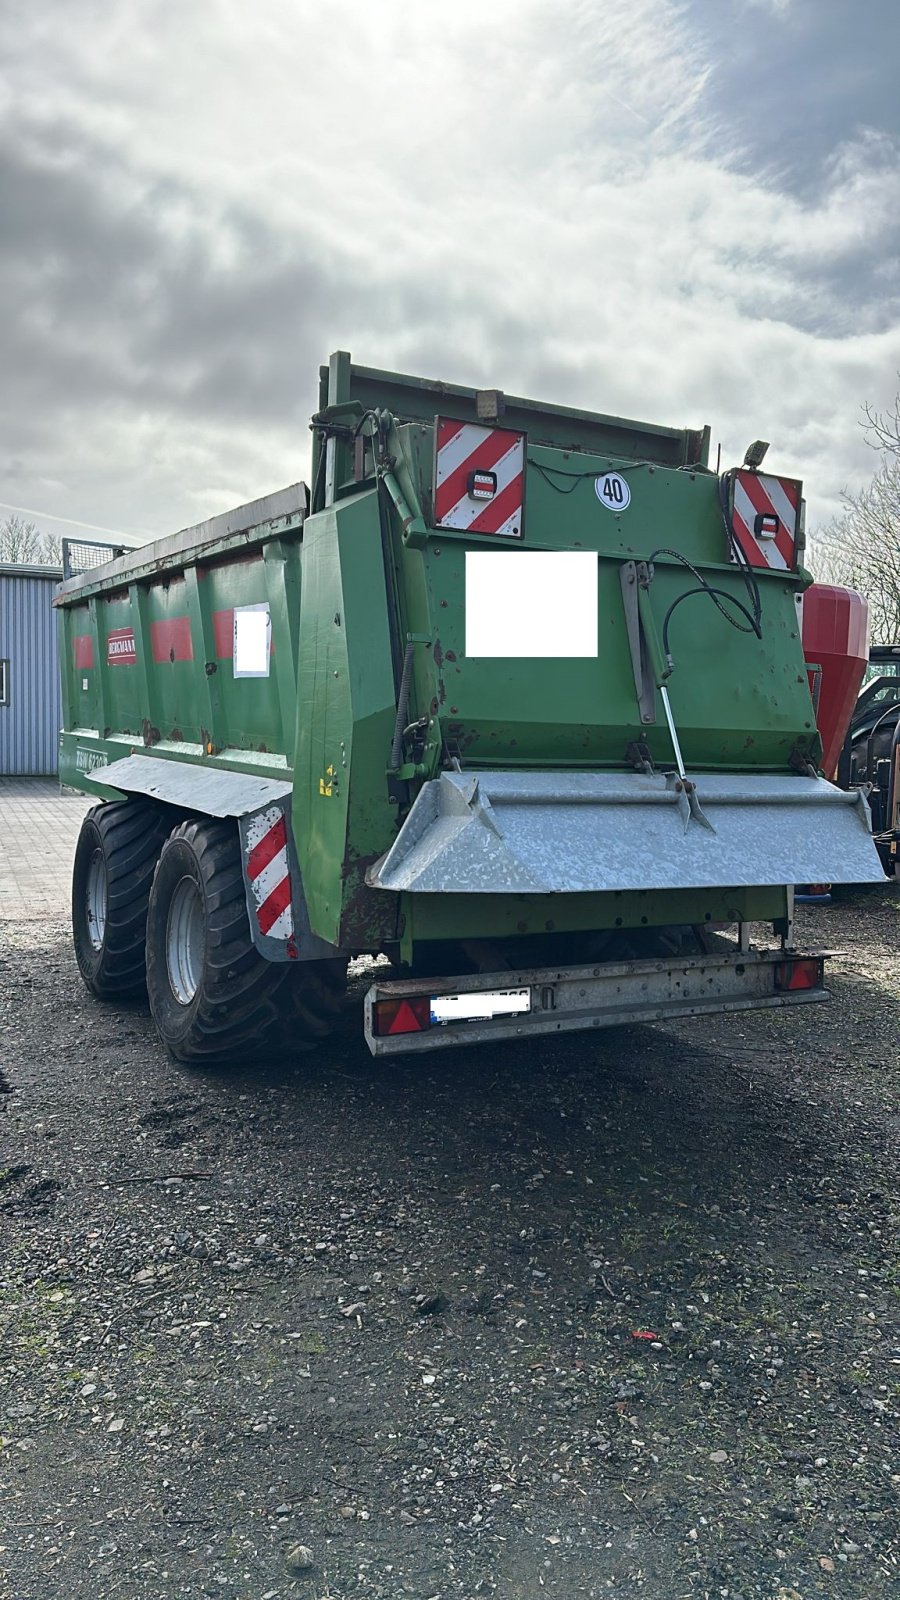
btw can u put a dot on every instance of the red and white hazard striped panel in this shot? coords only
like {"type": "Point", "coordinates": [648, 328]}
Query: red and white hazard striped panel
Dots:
{"type": "Point", "coordinates": [268, 874]}
{"type": "Point", "coordinates": [468, 456]}
{"type": "Point", "coordinates": [765, 513]}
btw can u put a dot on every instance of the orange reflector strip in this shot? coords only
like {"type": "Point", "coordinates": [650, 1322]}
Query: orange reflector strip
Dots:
{"type": "Point", "coordinates": [411, 1015]}
{"type": "Point", "coordinates": [807, 972]}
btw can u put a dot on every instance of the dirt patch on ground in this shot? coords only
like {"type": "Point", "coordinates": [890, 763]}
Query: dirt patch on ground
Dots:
{"type": "Point", "coordinates": [604, 1316]}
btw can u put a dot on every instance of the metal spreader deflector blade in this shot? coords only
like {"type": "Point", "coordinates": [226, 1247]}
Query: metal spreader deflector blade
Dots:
{"type": "Point", "coordinates": [591, 832]}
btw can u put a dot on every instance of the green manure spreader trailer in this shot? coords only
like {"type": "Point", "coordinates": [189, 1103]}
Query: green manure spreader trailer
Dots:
{"type": "Point", "coordinates": [515, 696]}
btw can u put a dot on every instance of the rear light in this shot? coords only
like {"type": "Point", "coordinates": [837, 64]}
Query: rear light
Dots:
{"type": "Point", "coordinates": [418, 1013]}
{"type": "Point", "coordinates": [482, 485]}
{"type": "Point", "coordinates": [806, 972]}
{"type": "Point", "coordinates": [407, 1015]}
{"type": "Point", "coordinates": [765, 525]}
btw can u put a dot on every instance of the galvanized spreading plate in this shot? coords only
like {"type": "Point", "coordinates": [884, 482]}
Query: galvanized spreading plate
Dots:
{"type": "Point", "coordinates": [588, 832]}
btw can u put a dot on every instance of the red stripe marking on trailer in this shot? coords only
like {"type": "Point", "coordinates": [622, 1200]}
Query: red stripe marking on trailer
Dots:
{"type": "Point", "coordinates": [83, 649]}
{"type": "Point", "coordinates": [489, 450]}
{"type": "Point", "coordinates": [786, 536]}
{"type": "Point", "coordinates": [758, 496]}
{"type": "Point", "coordinates": [223, 633]}
{"type": "Point", "coordinates": [267, 849]}
{"type": "Point", "coordinates": [788, 487]}
{"type": "Point", "coordinates": [791, 493]}
{"type": "Point", "coordinates": [448, 431]}
{"type": "Point", "coordinates": [170, 639]}
{"type": "Point", "coordinates": [274, 905]}
{"type": "Point", "coordinates": [752, 548]}
{"type": "Point", "coordinates": [500, 508]}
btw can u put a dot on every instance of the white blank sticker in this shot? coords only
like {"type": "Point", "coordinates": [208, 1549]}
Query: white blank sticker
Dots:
{"type": "Point", "coordinates": [252, 641]}
{"type": "Point", "coordinates": [531, 603]}
{"type": "Point", "coordinates": [479, 1007]}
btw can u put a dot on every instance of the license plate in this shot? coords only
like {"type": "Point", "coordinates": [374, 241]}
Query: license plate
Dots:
{"type": "Point", "coordinates": [480, 1007]}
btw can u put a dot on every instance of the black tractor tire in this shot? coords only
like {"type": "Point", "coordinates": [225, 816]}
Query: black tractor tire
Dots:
{"type": "Point", "coordinates": [115, 858]}
{"type": "Point", "coordinates": [212, 996]}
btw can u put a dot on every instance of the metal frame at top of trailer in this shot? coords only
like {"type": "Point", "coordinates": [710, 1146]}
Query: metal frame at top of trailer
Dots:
{"type": "Point", "coordinates": [258, 520]}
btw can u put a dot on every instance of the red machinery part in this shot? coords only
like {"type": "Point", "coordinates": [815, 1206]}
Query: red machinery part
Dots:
{"type": "Point", "coordinates": [836, 640]}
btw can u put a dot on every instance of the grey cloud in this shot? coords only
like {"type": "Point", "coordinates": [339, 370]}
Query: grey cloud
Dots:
{"type": "Point", "coordinates": [797, 81]}
{"type": "Point", "coordinates": [104, 296]}
{"type": "Point", "coordinates": [167, 306]}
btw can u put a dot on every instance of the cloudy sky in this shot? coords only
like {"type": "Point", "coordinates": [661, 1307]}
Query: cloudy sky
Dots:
{"type": "Point", "coordinates": [682, 210]}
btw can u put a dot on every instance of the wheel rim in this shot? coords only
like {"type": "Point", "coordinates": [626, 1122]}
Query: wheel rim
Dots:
{"type": "Point", "coordinates": [95, 895]}
{"type": "Point", "coordinates": [185, 941]}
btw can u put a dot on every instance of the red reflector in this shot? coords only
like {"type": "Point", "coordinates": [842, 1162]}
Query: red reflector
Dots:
{"type": "Point", "coordinates": [411, 1015]}
{"type": "Point", "coordinates": [807, 972]}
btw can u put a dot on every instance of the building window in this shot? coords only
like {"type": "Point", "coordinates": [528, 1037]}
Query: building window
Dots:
{"type": "Point", "coordinates": [4, 682]}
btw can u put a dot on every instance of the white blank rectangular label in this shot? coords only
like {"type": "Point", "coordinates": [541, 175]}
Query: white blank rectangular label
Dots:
{"type": "Point", "coordinates": [531, 603]}
{"type": "Point", "coordinates": [479, 1007]}
{"type": "Point", "coordinates": [252, 640]}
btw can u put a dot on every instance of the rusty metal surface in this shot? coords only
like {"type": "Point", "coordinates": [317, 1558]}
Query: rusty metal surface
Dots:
{"type": "Point", "coordinates": [263, 516]}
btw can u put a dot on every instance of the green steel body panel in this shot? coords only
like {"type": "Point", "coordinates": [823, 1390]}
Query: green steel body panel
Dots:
{"type": "Point", "coordinates": [146, 649]}
{"type": "Point", "coordinates": [449, 916]}
{"type": "Point", "coordinates": [174, 694]}
{"type": "Point", "coordinates": [737, 703]}
{"type": "Point", "coordinates": [366, 582]}
{"type": "Point", "coordinates": [345, 717]}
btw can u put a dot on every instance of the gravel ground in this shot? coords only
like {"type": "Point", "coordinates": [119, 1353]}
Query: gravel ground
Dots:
{"type": "Point", "coordinates": [599, 1316]}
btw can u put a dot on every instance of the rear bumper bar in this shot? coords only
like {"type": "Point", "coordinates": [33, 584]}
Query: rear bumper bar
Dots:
{"type": "Point", "coordinates": [571, 999]}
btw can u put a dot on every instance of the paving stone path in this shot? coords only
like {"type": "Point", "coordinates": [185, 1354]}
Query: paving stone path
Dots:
{"type": "Point", "coordinates": [38, 830]}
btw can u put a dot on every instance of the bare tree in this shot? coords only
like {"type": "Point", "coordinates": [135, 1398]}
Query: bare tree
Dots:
{"type": "Point", "coordinates": [22, 543]}
{"type": "Point", "coordinates": [861, 546]}
{"type": "Point", "coordinates": [883, 428]}
{"type": "Point", "coordinates": [19, 541]}
{"type": "Point", "coordinates": [52, 546]}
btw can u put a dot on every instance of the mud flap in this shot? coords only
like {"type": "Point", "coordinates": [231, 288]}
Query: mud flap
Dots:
{"type": "Point", "coordinates": [591, 832]}
{"type": "Point", "coordinates": [276, 903]}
